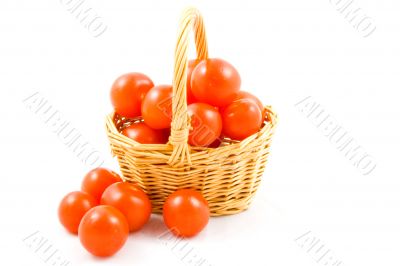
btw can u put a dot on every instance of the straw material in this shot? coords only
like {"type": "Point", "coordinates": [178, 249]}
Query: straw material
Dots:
{"type": "Point", "coordinates": [227, 176]}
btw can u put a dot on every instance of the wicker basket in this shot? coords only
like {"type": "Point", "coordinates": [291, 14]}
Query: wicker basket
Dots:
{"type": "Point", "coordinates": [227, 176]}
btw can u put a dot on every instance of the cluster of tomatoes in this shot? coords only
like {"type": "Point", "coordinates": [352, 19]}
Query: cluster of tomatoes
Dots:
{"type": "Point", "coordinates": [216, 105]}
{"type": "Point", "coordinates": [107, 209]}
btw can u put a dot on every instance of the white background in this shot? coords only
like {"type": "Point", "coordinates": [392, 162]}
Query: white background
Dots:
{"type": "Point", "coordinates": [285, 51]}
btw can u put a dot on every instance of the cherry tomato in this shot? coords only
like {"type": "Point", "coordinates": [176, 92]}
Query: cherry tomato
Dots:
{"type": "Point", "coordinates": [247, 95]}
{"type": "Point", "coordinates": [127, 93]}
{"type": "Point", "coordinates": [97, 180]}
{"type": "Point", "coordinates": [186, 212]}
{"type": "Point", "coordinates": [157, 107]}
{"type": "Point", "coordinates": [142, 133]}
{"type": "Point", "coordinates": [215, 81]}
{"type": "Point", "coordinates": [189, 95]}
{"type": "Point", "coordinates": [73, 207]}
{"type": "Point", "coordinates": [241, 119]}
{"type": "Point", "coordinates": [103, 231]}
{"type": "Point", "coordinates": [131, 201]}
{"type": "Point", "coordinates": [206, 124]}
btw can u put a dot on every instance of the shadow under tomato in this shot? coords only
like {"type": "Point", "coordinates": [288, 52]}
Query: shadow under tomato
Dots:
{"type": "Point", "coordinates": [155, 226]}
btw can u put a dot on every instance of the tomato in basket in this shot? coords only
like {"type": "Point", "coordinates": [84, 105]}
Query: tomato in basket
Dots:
{"type": "Point", "coordinates": [127, 93]}
{"type": "Point", "coordinates": [206, 124]}
{"type": "Point", "coordinates": [241, 119]}
{"type": "Point", "coordinates": [157, 107]}
{"type": "Point", "coordinates": [142, 133]}
{"type": "Point", "coordinates": [215, 81]}
{"type": "Point", "coordinates": [247, 95]}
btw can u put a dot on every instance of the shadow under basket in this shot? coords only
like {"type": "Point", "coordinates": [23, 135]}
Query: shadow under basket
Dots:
{"type": "Point", "coordinates": [227, 176]}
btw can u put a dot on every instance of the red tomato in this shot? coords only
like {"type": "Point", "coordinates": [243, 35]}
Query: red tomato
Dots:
{"type": "Point", "coordinates": [241, 119]}
{"type": "Point", "coordinates": [127, 93]}
{"type": "Point", "coordinates": [142, 133]}
{"type": "Point", "coordinates": [246, 95]}
{"type": "Point", "coordinates": [103, 231]}
{"type": "Point", "coordinates": [131, 201]}
{"type": "Point", "coordinates": [97, 180]}
{"type": "Point", "coordinates": [191, 65]}
{"type": "Point", "coordinates": [215, 81]}
{"type": "Point", "coordinates": [157, 107]}
{"type": "Point", "coordinates": [186, 212]}
{"type": "Point", "coordinates": [73, 207]}
{"type": "Point", "coordinates": [206, 124]}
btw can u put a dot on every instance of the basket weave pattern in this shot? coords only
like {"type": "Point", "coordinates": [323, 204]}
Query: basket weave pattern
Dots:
{"type": "Point", "coordinates": [227, 176]}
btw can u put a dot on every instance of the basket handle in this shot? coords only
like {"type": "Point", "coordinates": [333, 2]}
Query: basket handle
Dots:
{"type": "Point", "coordinates": [191, 20]}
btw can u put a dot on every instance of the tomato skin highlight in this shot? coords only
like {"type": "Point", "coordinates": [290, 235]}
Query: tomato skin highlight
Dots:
{"type": "Point", "coordinates": [186, 212]}
{"type": "Point", "coordinates": [241, 119]}
{"type": "Point", "coordinates": [142, 133]}
{"type": "Point", "coordinates": [215, 81]}
{"type": "Point", "coordinates": [157, 107]}
{"type": "Point", "coordinates": [131, 201]}
{"type": "Point", "coordinates": [97, 180]}
{"type": "Point", "coordinates": [206, 124]}
{"type": "Point", "coordinates": [103, 231]}
{"type": "Point", "coordinates": [127, 93]}
{"type": "Point", "coordinates": [73, 207]}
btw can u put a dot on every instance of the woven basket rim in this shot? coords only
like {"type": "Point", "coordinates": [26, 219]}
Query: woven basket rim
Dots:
{"type": "Point", "coordinates": [269, 123]}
